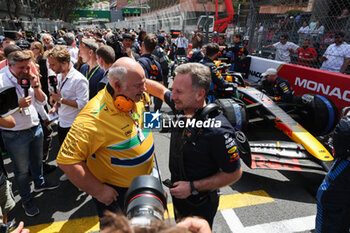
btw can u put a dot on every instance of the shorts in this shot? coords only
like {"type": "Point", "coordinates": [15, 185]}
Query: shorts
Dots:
{"type": "Point", "coordinates": [7, 200]}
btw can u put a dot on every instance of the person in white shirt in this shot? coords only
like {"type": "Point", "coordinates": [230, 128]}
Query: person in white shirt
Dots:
{"type": "Point", "coordinates": [24, 142]}
{"type": "Point", "coordinates": [337, 56]}
{"type": "Point", "coordinates": [284, 49]}
{"type": "Point", "coordinates": [260, 31]}
{"type": "Point", "coordinates": [69, 38]}
{"type": "Point", "coordinates": [72, 92]}
{"type": "Point", "coordinates": [317, 32]}
{"type": "Point", "coordinates": [304, 32]}
{"type": "Point", "coordinates": [182, 44]}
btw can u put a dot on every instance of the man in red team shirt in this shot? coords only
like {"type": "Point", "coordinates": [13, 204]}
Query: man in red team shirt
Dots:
{"type": "Point", "coordinates": [306, 54]}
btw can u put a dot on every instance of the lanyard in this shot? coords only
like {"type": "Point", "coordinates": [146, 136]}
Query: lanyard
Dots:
{"type": "Point", "coordinates": [93, 72]}
{"type": "Point", "coordinates": [63, 84]}
{"type": "Point", "coordinates": [138, 128]}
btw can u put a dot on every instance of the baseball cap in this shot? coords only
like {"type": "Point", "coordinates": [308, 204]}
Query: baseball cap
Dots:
{"type": "Point", "coordinates": [270, 71]}
{"type": "Point", "coordinates": [90, 43]}
{"type": "Point", "coordinates": [127, 35]}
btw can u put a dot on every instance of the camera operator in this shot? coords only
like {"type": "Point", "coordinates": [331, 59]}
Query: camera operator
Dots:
{"type": "Point", "coordinates": [7, 201]}
{"type": "Point", "coordinates": [100, 135]}
{"type": "Point", "coordinates": [202, 160]}
{"type": "Point", "coordinates": [333, 196]}
{"type": "Point", "coordinates": [24, 142]}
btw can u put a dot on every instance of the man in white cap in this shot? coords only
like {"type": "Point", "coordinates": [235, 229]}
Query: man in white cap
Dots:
{"type": "Point", "coordinates": [276, 87]}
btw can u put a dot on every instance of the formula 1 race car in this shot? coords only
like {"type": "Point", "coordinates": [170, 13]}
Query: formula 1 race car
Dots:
{"type": "Point", "coordinates": [281, 136]}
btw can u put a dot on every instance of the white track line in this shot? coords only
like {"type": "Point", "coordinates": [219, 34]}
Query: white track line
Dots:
{"type": "Point", "coordinates": [285, 226]}
{"type": "Point", "coordinates": [232, 221]}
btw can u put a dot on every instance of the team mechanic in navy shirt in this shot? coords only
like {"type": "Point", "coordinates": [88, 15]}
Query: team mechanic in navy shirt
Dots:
{"type": "Point", "coordinates": [202, 160]}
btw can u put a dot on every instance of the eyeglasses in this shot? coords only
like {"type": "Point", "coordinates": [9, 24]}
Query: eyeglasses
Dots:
{"type": "Point", "coordinates": [33, 48]}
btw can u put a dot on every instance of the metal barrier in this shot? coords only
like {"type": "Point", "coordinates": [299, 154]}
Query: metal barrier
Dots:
{"type": "Point", "coordinates": [316, 21]}
{"type": "Point", "coordinates": [36, 25]}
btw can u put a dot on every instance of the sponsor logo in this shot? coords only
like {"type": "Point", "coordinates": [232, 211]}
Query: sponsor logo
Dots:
{"type": "Point", "coordinates": [259, 161]}
{"type": "Point", "coordinates": [232, 150]}
{"type": "Point", "coordinates": [234, 157]}
{"type": "Point", "coordinates": [322, 88]}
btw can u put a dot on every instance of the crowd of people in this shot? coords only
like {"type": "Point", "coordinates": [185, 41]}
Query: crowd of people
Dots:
{"type": "Point", "coordinates": [317, 43]}
{"type": "Point", "coordinates": [96, 86]}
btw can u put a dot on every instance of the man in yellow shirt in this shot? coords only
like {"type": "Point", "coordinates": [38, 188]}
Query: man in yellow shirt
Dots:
{"type": "Point", "coordinates": [108, 134]}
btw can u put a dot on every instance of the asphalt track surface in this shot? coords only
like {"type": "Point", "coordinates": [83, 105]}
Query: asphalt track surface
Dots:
{"type": "Point", "coordinates": [261, 201]}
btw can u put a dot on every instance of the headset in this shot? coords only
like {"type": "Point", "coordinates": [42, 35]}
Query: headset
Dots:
{"type": "Point", "coordinates": [121, 102]}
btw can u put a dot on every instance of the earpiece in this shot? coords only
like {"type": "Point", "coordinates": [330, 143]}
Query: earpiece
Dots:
{"type": "Point", "coordinates": [123, 103]}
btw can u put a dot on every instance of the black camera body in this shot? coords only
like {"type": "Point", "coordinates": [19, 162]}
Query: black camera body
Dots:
{"type": "Point", "coordinates": [145, 201]}
{"type": "Point", "coordinates": [8, 101]}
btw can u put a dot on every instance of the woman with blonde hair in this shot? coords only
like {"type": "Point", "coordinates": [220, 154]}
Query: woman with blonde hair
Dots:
{"type": "Point", "coordinates": [38, 50]}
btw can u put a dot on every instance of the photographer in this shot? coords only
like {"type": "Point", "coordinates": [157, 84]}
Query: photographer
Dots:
{"type": "Point", "coordinates": [333, 196]}
{"type": "Point", "coordinates": [7, 202]}
{"type": "Point", "coordinates": [202, 160]}
{"type": "Point", "coordinates": [116, 222]}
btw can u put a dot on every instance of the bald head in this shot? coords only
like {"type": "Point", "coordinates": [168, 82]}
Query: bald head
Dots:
{"type": "Point", "coordinates": [127, 77]}
{"type": "Point", "coordinates": [130, 65]}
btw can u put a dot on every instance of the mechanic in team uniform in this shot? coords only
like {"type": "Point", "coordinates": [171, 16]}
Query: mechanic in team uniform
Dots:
{"type": "Point", "coordinates": [195, 55]}
{"type": "Point", "coordinates": [238, 53]}
{"type": "Point", "coordinates": [276, 87]}
{"type": "Point", "coordinates": [333, 196]}
{"type": "Point", "coordinates": [97, 155]}
{"type": "Point", "coordinates": [153, 69]}
{"type": "Point", "coordinates": [202, 160]}
{"type": "Point", "coordinates": [217, 81]}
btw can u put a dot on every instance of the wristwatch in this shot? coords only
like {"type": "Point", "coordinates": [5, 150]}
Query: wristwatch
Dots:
{"type": "Point", "coordinates": [60, 101]}
{"type": "Point", "coordinates": [194, 191]}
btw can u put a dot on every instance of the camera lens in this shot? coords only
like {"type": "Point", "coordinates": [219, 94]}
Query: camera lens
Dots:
{"type": "Point", "coordinates": [145, 200]}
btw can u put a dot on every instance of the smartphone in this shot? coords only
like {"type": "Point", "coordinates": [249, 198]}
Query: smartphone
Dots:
{"type": "Point", "coordinates": [167, 183]}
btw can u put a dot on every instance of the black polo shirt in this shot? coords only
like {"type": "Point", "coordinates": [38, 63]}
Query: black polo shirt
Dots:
{"type": "Point", "coordinates": [212, 150]}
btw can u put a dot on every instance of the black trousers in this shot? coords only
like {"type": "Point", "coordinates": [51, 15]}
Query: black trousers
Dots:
{"type": "Point", "coordinates": [116, 206]}
{"type": "Point", "coordinates": [205, 209]}
{"type": "Point", "coordinates": [62, 133]}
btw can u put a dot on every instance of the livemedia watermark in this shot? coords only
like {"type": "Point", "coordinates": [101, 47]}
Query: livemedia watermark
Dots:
{"type": "Point", "coordinates": [154, 120]}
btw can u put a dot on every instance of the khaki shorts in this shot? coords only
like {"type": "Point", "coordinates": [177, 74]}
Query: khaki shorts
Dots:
{"type": "Point", "coordinates": [7, 200]}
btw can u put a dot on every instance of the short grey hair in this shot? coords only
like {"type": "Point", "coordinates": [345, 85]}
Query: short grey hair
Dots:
{"type": "Point", "coordinates": [200, 74]}
{"type": "Point", "coordinates": [117, 73]}
{"type": "Point", "coordinates": [68, 38]}
{"type": "Point", "coordinates": [17, 56]}
{"type": "Point", "coordinates": [48, 35]}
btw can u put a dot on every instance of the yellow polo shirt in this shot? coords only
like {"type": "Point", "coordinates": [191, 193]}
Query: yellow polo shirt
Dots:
{"type": "Point", "coordinates": [107, 139]}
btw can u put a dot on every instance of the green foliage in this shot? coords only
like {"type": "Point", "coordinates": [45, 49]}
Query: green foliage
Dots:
{"type": "Point", "coordinates": [58, 9]}
{"type": "Point", "coordinates": [294, 11]}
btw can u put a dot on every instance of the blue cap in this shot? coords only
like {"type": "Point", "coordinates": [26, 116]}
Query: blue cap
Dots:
{"type": "Point", "coordinates": [161, 38]}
